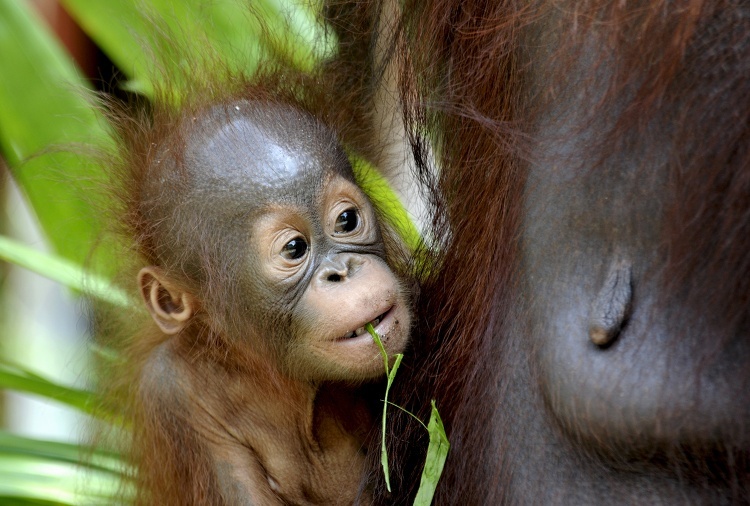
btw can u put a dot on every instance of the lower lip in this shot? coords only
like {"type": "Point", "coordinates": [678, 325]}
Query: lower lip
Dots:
{"type": "Point", "coordinates": [384, 323]}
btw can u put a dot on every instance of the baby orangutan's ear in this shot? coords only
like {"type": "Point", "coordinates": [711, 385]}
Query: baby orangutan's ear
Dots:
{"type": "Point", "coordinates": [170, 305]}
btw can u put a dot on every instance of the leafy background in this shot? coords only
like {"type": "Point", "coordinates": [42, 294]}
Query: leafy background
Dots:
{"type": "Point", "coordinates": [50, 225]}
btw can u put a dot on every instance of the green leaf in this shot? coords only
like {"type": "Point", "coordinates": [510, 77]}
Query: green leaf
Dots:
{"type": "Point", "coordinates": [17, 378]}
{"type": "Point", "coordinates": [386, 200]}
{"type": "Point", "coordinates": [14, 500]}
{"type": "Point", "coordinates": [437, 449]}
{"type": "Point", "coordinates": [54, 451]}
{"type": "Point", "coordinates": [26, 479]}
{"type": "Point", "coordinates": [437, 452]}
{"type": "Point", "coordinates": [42, 105]}
{"type": "Point", "coordinates": [124, 30]}
{"type": "Point", "coordinates": [60, 270]}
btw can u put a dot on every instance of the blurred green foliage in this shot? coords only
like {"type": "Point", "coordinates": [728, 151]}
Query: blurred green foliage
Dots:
{"type": "Point", "coordinates": [44, 115]}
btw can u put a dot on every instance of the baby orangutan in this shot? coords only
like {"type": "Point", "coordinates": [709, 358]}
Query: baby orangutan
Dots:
{"type": "Point", "coordinates": [268, 262]}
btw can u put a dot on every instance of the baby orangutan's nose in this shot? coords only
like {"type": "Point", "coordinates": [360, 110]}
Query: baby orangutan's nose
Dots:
{"type": "Point", "coordinates": [339, 267]}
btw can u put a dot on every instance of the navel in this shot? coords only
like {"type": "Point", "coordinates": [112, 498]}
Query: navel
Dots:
{"type": "Point", "coordinates": [612, 305]}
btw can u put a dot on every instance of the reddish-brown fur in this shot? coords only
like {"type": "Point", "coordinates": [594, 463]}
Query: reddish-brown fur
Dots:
{"type": "Point", "coordinates": [671, 84]}
{"type": "Point", "coordinates": [480, 78]}
{"type": "Point", "coordinates": [162, 376]}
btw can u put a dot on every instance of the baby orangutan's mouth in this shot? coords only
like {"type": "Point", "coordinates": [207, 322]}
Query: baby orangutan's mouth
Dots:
{"type": "Point", "coordinates": [361, 330]}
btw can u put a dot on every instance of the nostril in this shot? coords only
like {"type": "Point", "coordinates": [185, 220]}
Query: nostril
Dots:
{"type": "Point", "coordinates": [334, 278]}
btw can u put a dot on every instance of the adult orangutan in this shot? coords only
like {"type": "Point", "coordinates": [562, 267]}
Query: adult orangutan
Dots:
{"type": "Point", "coordinates": [586, 334]}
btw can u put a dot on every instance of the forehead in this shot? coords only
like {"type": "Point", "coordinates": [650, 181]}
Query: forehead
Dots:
{"type": "Point", "coordinates": [266, 150]}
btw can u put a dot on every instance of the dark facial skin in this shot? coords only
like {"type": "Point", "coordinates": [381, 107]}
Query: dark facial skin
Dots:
{"type": "Point", "coordinates": [306, 269]}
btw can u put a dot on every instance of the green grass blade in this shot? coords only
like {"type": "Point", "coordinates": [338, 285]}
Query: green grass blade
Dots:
{"type": "Point", "coordinates": [61, 270]}
{"type": "Point", "coordinates": [437, 449]}
{"type": "Point", "coordinates": [415, 417]}
{"type": "Point", "coordinates": [437, 452]}
{"type": "Point", "coordinates": [391, 375]}
{"type": "Point", "coordinates": [383, 451]}
{"type": "Point", "coordinates": [383, 353]}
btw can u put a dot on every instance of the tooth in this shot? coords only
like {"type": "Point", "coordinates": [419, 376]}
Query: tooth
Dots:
{"type": "Point", "coordinates": [349, 335]}
{"type": "Point", "coordinates": [360, 331]}
{"type": "Point", "coordinates": [375, 322]}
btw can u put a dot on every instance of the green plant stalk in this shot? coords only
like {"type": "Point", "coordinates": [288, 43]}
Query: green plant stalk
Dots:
{"type": "Point", "coordinates": [391, 375]}
{"type": "Point", "coordinates": [437, 449]}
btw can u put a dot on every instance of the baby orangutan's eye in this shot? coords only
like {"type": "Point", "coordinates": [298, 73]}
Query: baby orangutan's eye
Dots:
{"type": "Point", "coordinates": [346, 222]}
{"type": "Point", "coordinates": [294, 249]}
